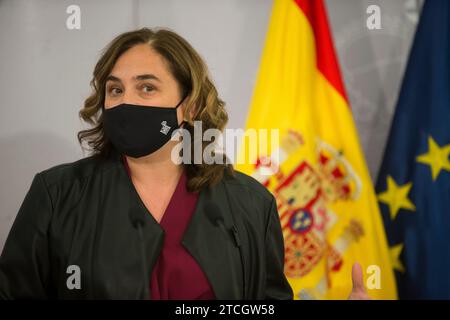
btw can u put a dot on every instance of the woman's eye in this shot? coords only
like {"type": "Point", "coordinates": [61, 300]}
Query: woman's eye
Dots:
{"type": "Point", "coordinates": [114, 91]}
{"type": "Point", "coordinates": [147, 88]}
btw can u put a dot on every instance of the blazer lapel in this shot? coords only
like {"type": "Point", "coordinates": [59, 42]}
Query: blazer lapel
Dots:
{"type": "Point", "coordinates": [213, 247]}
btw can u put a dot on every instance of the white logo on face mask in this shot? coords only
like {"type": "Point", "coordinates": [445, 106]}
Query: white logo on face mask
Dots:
{"type": "Point", "coordinates": [164, 128]}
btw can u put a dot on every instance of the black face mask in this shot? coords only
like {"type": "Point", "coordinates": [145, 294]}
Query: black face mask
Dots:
{"type": "Point", "coordinates": [137, 130]}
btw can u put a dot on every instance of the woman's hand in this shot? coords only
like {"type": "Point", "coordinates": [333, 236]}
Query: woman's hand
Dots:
{"type": "Point", "coordinates": [359, 291]}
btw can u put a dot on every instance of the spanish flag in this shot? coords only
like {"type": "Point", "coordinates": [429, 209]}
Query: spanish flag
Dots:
{"type": "Point", "coordinates": [316, 167]}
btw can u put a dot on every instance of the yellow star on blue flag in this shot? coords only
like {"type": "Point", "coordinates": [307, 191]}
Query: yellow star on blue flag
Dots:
{"type": "Point", "coordinates": [436, 158]}
{"type": "Point", "coordinates": [396, 197]}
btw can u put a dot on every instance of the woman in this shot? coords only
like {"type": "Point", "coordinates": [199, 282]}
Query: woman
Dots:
{"type": "Point", "coordinates": [129, 222]}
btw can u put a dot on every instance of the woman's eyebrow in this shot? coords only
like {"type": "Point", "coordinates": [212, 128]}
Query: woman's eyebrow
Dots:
{"type": "Point", "coordinates": [140, 77]}
{"type": "Point", "coordinates": [147, 76]}
{"type": "Point", "coordinates": [112, 78]}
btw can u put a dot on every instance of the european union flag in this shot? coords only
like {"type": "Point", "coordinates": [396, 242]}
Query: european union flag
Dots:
{"type": "Point", "coordinates": [413, 186]}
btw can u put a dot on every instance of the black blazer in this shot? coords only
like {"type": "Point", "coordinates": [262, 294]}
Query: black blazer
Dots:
{"type": "Point", "coordinates": [88, 213]}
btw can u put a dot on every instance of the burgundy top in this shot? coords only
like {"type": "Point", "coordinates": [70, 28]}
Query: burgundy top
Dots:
{"type": "Point", "coordinates": [176, 275]}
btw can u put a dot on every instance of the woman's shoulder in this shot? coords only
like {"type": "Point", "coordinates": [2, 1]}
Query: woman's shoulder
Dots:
{"type": "Point", "coordinates": [76, 170]}
{"type": "Point", "coordinates": [240, 181]}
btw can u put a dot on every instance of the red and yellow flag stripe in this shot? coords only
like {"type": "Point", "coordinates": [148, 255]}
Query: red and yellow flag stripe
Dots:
{"type": "Point", "coordinates": [327, 204]}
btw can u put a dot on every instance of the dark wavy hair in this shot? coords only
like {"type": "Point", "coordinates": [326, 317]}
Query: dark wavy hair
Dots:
{"type": "Point", "coordinates": [192, 75]}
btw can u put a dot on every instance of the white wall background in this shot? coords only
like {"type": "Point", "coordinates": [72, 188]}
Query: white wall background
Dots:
{"type": "Point", "coordinates": [45, 69]}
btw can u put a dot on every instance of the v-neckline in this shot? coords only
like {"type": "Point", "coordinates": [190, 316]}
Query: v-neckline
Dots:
{"type": "Point", "coordinates": [124, 163]}
{"type": "Point", "coordinates": [175, 192]}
